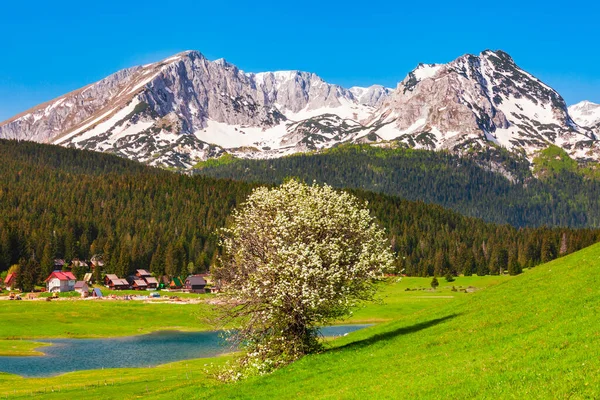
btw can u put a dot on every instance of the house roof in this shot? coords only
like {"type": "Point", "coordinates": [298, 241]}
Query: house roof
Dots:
{"type": "Point", "coordinates": [142, 272]}
{"type": "Point", "coordinates": [120, 282]}
{"type": "Point", "coordinates": [151, 280]}
{"type": "Point", "coordinates": [61, 276]}
{"type": "Point", "coordinates": [97, 292]}
{"type": "Point", "coordinates": [9, 278]}
{"type": "Point", "coordinates": [87, 277]}
{"type": "Point", "coordinates": [140, 282]}
{"type": "Point", "coordinates": [195, 280]}
{"type": "Point", "coordinates": [79, 263]}
{"type": "Point", "coordinates": [176, 281]}
{"type": "Point", "coordinates": [111, 277]}
{"type": "Point", "coordinates": [80, 284]}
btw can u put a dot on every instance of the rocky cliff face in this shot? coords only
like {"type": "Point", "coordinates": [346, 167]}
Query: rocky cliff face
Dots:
{"type": "Point", "coordinates": [186, 108]}
{"type": "Point", "coordinates": [479, 101]}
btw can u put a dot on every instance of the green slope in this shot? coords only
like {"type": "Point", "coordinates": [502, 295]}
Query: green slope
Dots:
{"type": "Point", "coordinates": [535, 336]}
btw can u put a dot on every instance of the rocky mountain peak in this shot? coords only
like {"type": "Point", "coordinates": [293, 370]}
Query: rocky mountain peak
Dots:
{"type": "Point", "coordinates": [586, 114]}
{"type": "Point", "coordinates": [187, 108]}
{"type": "Point", "coordinates": [478, 101]}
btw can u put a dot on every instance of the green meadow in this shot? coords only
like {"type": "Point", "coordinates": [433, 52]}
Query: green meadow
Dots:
{"type": "Point", "coordinates": [532, 336]}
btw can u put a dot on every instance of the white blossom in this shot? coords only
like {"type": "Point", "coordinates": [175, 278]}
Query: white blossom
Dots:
{"type": "Point", "coordinates": [294, 258]}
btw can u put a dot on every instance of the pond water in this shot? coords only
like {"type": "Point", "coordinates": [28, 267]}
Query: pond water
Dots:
{"type": "Point", "coordinates": [67, 355]}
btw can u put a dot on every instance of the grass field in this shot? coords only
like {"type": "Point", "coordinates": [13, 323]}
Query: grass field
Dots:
{"type": "Point", "coordinates": [532, 336]}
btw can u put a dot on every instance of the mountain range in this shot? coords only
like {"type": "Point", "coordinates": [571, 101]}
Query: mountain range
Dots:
{"type": "Point", "coordinates": [186, 109]}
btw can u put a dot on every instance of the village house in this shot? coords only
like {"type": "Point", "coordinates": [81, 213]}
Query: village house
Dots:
{"type": "Point", "coordinates": [59, 281]}
{"type": "Point", "coordinates": [139, 284]}
{"type": "Point", "coordinates": [194, 284]}
{"type": "Point", "coordinates": [9, 281]}
{"type": "Point", "coordinates": [96, 261]}
{"type": "Point", "coordinates": [113, 282]}
{"type": "Point", "coordinates": [142, 273]}
{"type": "Point", "coordinates": [152, 282]}
{"type": "Point", "coordinates": [82, 287]}
{"type": "Point", "coordinates": [59, 264]}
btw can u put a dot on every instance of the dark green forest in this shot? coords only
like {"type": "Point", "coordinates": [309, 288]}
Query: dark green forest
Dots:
{"type": "Point", "coordinates": [73, 204]}
{"type": "Point", "coordinates": [467, 184]}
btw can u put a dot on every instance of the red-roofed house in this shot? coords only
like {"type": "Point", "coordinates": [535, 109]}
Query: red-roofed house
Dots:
{"type": "Point", "coordinates": [9, 281]}
{"type": "Point", "coordinates": [60, 281]}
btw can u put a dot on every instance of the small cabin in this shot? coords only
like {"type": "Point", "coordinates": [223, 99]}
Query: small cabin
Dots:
{"type": "Point", "coordinates": [142, 273]}
{"type": "Point", "coordinates": [194, 284]}
{"type": "Point", "coordinates": [176, 283]}
{"type": "Point", "coordinates": [96, 262]}
{"type": "Point", "coordinates": [120, 284]}
{"type": "Point", "coordinates": [108, 278]}
{"type": "Point", "coordinates": [97, 293]}
{"type": "Point", "coordinates": [82, 287]}
{"type": "Point", "coordinates": [139, 284]}
{"type": "Point", "coordinates": [59, 281]}
{"type": "Point", "coordinates": [152, 282]}
{"type": "Point", "coordinates": [113, 282]}
{"type": "Point", "coordinates": [87, 278]}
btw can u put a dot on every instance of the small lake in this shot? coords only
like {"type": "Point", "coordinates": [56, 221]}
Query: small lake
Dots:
{"type": "Point", "coordinates": [67, 355]}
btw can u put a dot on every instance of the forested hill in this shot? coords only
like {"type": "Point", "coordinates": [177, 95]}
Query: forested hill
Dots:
{"type": "Point", "coordinates": [564, 198]}
{"type": "Point", "coordinates": [63, 203]}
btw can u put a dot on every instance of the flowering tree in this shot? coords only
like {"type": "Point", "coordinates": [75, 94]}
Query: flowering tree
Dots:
{"type": "Point", "coordinates": [296, 257]}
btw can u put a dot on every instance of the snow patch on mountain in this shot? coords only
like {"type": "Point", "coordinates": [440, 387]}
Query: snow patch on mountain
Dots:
{"type": "Point", "coordinates": [586, 114]}
{"type": "Point", "coordinates": [186, 108]}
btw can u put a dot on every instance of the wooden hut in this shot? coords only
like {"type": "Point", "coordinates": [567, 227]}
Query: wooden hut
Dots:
{"type": "Point", "coordinates": [194, 284]}
{"type": "Point", "coordinates": [139, 284]}
{"type": "Point", "coordinates": [152, 282]}
{"type": "Point", "coordinates": [83, 288]}
{"type": "Point", "coordinates": [113, 282]}
{"type": "Point", "coordinates": [176, 283]}
{"type": "Point", "coordinates": [142, 273]}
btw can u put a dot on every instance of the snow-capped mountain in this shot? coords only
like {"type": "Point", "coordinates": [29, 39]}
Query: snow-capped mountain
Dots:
{"type": "Point", "coordinates": [186, 108]}
{"type": "Point", "coordinates": [586, 114]}
{"type": "Point", "coordinates": [476, 101]}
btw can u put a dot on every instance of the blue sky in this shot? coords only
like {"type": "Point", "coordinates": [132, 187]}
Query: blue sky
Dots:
{"type": "Point", "coordinates": [49, 48]}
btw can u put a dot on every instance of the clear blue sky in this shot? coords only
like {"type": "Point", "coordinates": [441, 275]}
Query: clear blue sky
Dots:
{"type": "Point", "coordinates": [49, 48]}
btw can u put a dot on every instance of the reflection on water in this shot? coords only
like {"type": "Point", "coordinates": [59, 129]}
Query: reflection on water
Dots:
{"type": "Point", "coordinates": [66, 355]}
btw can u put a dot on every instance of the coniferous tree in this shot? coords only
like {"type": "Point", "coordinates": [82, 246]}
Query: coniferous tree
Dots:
{"type": "Point", "coordinates": [47, 261]}
{"type": "Point", "coordinates": [514, 268]}
{"type": "Point", "coordinates": [170, 261]}
{"type": "Point", "coordinates": [157, 265]}
{"type": "Point", "coordinates": [548, 251]}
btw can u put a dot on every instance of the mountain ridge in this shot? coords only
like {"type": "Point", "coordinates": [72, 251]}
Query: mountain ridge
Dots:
{"type": "Point", "coordinates": [186, 109]}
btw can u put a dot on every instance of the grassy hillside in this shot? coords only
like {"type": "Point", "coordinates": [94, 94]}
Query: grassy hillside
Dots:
{"type": "Point", "coordinates": [565, 197]}
{"type": "Point", "coordinates": [535, 336]}
{"type": "Point", "coordinates": [531, 336]}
